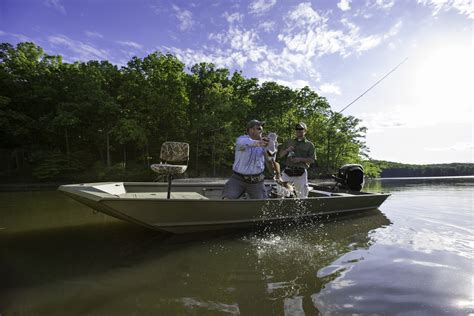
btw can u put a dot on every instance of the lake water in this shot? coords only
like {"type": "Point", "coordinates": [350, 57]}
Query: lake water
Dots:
{"type": "Point", "coordinates": [413, 256]}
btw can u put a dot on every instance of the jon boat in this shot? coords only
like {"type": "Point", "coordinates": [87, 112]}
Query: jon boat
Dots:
{"type": "Point", "coordinates": [198, 206]}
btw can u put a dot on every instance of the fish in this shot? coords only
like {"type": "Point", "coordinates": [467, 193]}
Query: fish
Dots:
{"type": "Point", "coordinates": [273, 166]}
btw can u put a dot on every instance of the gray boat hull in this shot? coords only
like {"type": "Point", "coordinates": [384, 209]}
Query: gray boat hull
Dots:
{"type": "Point", "coordinates": [197, 206]}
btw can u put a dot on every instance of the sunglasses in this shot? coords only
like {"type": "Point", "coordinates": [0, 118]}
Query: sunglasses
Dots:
{"type": "Point", "coordinates": [259, 128]}
{"type": "Point", "coordinates": [299, 129]}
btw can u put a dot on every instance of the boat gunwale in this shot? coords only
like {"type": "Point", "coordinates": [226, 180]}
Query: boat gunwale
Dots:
{"type": "Point", "coordinates": [106, 196]}
{"type": "Point", "coordinates": [118, 198]}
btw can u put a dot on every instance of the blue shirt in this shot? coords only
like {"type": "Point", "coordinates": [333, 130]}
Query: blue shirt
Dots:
{"type": "Point", "coordinates": [249, 159]}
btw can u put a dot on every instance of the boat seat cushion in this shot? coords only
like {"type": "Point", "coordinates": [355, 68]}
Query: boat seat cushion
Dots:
{"type": "Point", "coordinates": [164, 168]}
{"type": "Point", "coordinates": [174, 152]}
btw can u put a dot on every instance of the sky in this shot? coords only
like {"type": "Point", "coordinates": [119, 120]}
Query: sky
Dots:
{"type": "Point", "coordinates": [422, 113]}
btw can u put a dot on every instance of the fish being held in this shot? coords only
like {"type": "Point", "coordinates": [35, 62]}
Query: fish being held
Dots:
{"type": "Point", "coordinates": [274, 167]}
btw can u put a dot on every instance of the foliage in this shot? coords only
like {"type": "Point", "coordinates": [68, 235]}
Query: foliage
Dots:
{"type": "Point", "coordinates": [390, 169]}
{"type": "Point", "coordinates": [116, 119]}
{"type": "Point", "coordinates": [56, 165]}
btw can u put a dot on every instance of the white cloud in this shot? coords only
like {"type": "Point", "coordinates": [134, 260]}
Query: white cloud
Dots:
{"type": "Point", "coordinates": [384, 4]}
{"type": "Point", "coordinates": [184, 17]}
{"type": "Point", "coordinates": [130, 44]}
{"type": "Point", "coordinates": [367, 43]}
{"type": "Point", "coordinates": [344, 5]}
{"type": "Point", "coordinates": [286, 64]}
{"type": "Point", "coordinates": [245, 41]}
{"type": "Point", "coordinates": [80, 50]}
{"type": "Point", "coordinates": [309, 33]}
{"type": "Point", "coordinates": [93, 34]}
{"type": "Point", "coordinates": [465, 7]}
{"type": "Point", "coordinates": [20, 37]}
{"type": "Point", "coordinates": [221, 58]}
{"type": "Point", "coordinates": [303, 15]}
{"type": "Point", "coordinates": [261, 6]}
{"type": "Point", "coordinates": [330, 88]}
{"type": "Point", "coordinates": [55, 4]}
{"type": "Point", "coordinates": [267, 26]}
{"type": "Point", "coordinates": [234, 17]}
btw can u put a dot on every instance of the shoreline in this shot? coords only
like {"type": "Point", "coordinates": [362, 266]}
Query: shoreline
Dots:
{"type": "Point", "coordinates": [32, 186]}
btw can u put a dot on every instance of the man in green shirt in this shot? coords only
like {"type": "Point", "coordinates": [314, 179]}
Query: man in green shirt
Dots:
{"type": "Point", "coordinates": [299, 153]}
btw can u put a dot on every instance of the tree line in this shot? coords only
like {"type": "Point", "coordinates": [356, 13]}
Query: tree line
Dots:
{"type": "Point", "coordinates": [95, 121]}
{"type": "Point", "coordinates": [390, 169]}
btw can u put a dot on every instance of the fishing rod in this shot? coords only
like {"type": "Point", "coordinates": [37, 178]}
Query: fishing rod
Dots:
{"type": "Point", "coordinates": [374, 85]}
{"type": "Point", "coordinates": [355, 100]}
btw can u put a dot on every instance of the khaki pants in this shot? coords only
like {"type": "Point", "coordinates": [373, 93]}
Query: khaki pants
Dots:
{"type": "Point", "coordinates": [300, 183]}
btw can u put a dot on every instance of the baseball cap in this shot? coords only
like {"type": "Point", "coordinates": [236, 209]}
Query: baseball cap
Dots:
{"type": "Point", "coordinates": [301, 125]}
{"type": "Point", "coordinates": [253, 123]}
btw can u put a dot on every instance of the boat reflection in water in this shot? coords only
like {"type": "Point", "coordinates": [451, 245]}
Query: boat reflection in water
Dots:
{"type": "Point", "coordinates": [120, 269]}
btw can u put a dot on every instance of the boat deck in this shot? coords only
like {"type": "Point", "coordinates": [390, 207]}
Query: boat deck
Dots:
{"type": "Point", "coordinates": [163, 195]}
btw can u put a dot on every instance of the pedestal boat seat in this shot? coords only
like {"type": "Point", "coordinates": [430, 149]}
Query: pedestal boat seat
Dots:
{"type": "Point", "coordinates": [174, 158]}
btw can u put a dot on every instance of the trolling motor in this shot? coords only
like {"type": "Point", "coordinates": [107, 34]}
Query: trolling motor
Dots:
{"type": "Point", "coordinates": [350, 177]}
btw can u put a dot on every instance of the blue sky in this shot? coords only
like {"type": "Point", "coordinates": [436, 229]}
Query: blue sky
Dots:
{"type": "Point", "coordinates": [422, 113]}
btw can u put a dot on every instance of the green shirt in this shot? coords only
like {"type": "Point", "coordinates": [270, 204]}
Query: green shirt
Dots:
{"type": "Point", "coordinates": [303, 149]}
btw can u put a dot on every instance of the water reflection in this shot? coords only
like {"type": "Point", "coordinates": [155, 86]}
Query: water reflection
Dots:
{"type": "Point", "coordinates": [421, 264]}
{"type": "Point", "coordinates": [412, 257]}
{"type": "Point", "coordinates": [121, 269]}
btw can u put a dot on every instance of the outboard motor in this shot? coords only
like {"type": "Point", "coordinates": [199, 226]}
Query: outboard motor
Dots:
{"type": "Point", "coordinates": [350, 177]}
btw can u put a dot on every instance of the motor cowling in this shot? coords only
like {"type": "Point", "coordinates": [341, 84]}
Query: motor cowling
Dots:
{"type": "Point", "coordinates": [350, 177]}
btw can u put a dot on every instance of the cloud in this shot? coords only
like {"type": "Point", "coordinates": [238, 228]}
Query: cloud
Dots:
{"type": "Point", "coordinates": [464, 7]}
{"type": "Point", "coordinates": [80, 50]}
{"type": "Point", "coordinates": [286, 64]}
{"type": "Point", "coordinates": [234, 17]}
{"type": "Point", "coordinates": [130, 44]}
{"type": "Point", "coordinates": [344, 5]}
{"type": "Point", "coordinates": [245, 41]}
{"type": "Point", "coordinates": [330, 88]}
{"type": "Point", "coordinates": [384, 4]}
{"type": "Point", "coordinates": [267, 26]}
{"type": "Point", "coordinates": [184, 17]}
{"type": "Point", "coordinates": [303, 15]}
{"type": "Point", "coordinates": [308, 32]}
{"type": "Point", "coordinates": [55, 4]}
{"type": "Point", "coordinates": [258, 7]}
{"type": "Point", "coordinates": [93, 34]}
{"type": "Point", "coordinates": [219, 57]}
{"type": "Point", "coordinates": [20, 37]}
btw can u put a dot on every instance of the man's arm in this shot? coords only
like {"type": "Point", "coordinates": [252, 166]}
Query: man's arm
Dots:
{"type": "Point", "coordinates": [244, 142]}
{"type": "Point", "coordinates": [311, 157]}
{"type": "Point", "coordinates": [286, 150]}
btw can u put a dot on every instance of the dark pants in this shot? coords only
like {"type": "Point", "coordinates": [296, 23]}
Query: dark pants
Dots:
{"type": "Point", "coordinates": [236, 186]}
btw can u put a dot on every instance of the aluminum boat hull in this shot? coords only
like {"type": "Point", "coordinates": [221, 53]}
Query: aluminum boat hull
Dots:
{"type": "Point", "coordinates": [197, 206]}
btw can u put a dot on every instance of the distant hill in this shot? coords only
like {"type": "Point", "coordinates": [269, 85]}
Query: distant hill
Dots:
{"type": "Point", "coordinates": [395, 169]}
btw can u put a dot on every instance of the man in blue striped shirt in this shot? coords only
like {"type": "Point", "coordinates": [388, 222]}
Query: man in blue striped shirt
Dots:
{"type": "Point", "coordinates": [249, 164]}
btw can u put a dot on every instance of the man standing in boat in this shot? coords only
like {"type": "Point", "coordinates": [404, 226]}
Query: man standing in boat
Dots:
{"type": "Point", "coordinates": [299, 153]}
{"type": "Point", "coordinates": [249, 164]}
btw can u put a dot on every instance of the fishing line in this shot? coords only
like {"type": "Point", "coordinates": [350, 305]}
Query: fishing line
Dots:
{"type": "Point", "coordinates": [375, 84]}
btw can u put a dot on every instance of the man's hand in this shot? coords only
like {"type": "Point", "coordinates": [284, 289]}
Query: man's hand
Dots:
{"type": "Point", "coordinates": [262, 142]}
{"type": "Point", "coordinates": [291, 148]}
{"type": "Point", "coordinates": [296, 159]}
